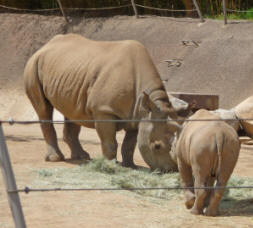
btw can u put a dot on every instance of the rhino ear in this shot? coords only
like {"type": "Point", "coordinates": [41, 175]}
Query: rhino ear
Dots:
{"type": "Point", "coordinates": [147, 103]}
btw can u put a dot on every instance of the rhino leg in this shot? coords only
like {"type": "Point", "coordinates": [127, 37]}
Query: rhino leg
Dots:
{"type": "Point", "coordinates": [187, 181]}
{"type": "Point", "coordinates": [54, 154]}
{"type": "Point", "coordinates": [127, 149]}
{"type": "Point", "coordinates": [107, 134]}
{"type": "Point", "coordinates": [44, 110]}
{"type": "Point", "coordinates": [209, 183]}
{"type": "Point", "coordinates": [217, 194]}
{"type": "Point", "coordinates": [200, 196]}
{"type": "Point", "coordinates": [213, 207]}
{"type": "Point", "coordinates": [70, 136]}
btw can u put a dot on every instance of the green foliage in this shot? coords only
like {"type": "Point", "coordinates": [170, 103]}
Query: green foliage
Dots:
{"type": "Point", "coordinates": [211, 8]}
{"type": "Point", "coordinates": [234, 16]}
{"type": "Point", "coordinates": [247, 15]}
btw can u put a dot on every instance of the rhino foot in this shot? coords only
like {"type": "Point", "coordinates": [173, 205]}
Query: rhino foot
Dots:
{"type": "Point", "coordinates": [195, 211]}
{"type": "Point", "coordinates": [54, 157]}
{"type": "Point", "coordinates": [129, 165]}
{"type": "Point", "coordinates": [189, 203]}
{"type": "Point", "coordinates": [210, 212]}
{"type": "Point", "coordinates": [83, 155]}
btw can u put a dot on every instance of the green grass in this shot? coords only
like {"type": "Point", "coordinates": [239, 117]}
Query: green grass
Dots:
{"type": "Point", "coordinates": [101, 173]}
{"type": "Point", "coordinates": [234, 16]}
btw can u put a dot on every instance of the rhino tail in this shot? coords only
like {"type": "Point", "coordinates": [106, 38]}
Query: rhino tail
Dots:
{"type": "Point", "coordinates": [218, 158]}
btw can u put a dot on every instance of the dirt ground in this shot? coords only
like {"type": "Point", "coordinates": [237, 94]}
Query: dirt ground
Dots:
{"type": "Point", "coordinates": [222, 60]}
{"type": "Point", "coordinates": [100, 209]}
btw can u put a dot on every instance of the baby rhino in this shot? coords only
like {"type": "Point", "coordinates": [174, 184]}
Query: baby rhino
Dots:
{"type": "Point", "coordinates": [207, 151]}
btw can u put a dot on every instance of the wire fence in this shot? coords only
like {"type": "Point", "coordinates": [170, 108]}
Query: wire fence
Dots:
{"type": "Point", "coordinates": [11, 121]}
{"type": "Point", "coordinates": [133, 5]}
{"type": "Point", "coordinates": [28, 190]}
{"type": "Point", "coordinates": [160, 9]}
{"type": "Point", "coordinates": [13, 191]}
{"type": "Point", "coordinates": [27, 10]}
{"type": "Point", "coordinates": [54, 9]}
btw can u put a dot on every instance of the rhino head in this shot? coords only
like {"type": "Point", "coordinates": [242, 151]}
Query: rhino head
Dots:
{"type": "Point", "coordinates": [155, 138]}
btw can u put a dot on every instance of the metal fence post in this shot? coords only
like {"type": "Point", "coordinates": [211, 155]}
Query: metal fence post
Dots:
{"type": "Point", "coordinates": [198, 10]}
{"type": "Point", "coordinates": [135, 9]}
{"type": "Point", "coordinates": [225, 11]}
{"type": "Point", "coordinates": [62, 11]}
{"type": "Point", "coordinates": [10, 183]}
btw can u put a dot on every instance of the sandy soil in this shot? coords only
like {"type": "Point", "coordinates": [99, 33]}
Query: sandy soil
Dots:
{"type": "Point", "coordinates": [101, 209]}
{"type": "Point", "coordinates": [223, 60]}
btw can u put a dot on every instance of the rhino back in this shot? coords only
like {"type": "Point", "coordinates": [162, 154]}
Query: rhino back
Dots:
{"type": "Point", "coordinates": [81, 77]}
{"type": "Point", "coordinates": [244, 110]}
{"type": "Point", "coordinates": [199, 139]}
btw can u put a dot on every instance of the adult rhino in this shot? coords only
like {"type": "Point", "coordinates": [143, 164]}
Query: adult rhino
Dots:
{"type": "Point", "coordinates": [95, 80]}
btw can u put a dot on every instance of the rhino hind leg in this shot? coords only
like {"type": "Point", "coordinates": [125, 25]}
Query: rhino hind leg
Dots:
{"type": "Point", "coordinates": [187, 181]}
{"type": "Point", "coordinates": [200, 196]}
{"type": "Point", "coordinates": [209, 183]}
{"type": "Point", "coordinates": [217, 194]}
{"type": "Point", "coordinates": [46, 113]}
{"type": "Point", "coordinates": [70, 136]}
{"type": "Point", "coordinates": [127, 149]}
{"type": "Point", "coordinates": [107, 134]}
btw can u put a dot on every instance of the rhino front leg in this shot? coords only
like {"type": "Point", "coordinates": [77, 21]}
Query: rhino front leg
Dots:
{"type": "Point", "coordinates": [70, 135]}
{"type": "Point", "coordinates": [107, 134]}
{"type": "Point", "coordinates": [127, 149]}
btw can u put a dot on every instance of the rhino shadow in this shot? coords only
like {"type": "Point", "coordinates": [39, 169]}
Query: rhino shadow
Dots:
{"type": "Point", "coordinates": [34, 138]}
{"type": "Point", "coordinates": [234, 207]}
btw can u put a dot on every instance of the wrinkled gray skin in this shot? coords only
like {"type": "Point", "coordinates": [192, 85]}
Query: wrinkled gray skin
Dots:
{"type": "Point", "coordinates": [156, 151]}
{"type": "Point", "coordinates": [95, 80]}
{"type": "Point", "coordinates": [207, 151]}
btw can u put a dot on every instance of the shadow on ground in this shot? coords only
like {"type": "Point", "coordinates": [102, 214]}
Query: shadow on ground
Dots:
{"type": "Point", "coordinates": [235, 207]}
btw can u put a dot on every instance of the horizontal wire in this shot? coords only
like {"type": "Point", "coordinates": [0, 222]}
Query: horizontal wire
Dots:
{"type": "Point", "coordinates": [240, 11]}
{"type": "Point", "coordinates": [35, 10]}
{"type": "Point", "coordinates": [171, 10]}
{"type": "Point", "coordinates": [93, 9]}
{"type": "Point", "coordinates": [113, 7]}
{"type": "Point", "coordinates": [12, 121]}
{"type": "Point", "coordinates": [102, 8]}
{"type": "Point", "coordinates": [28, 190]}
{"type": "Point", "coordinates": [53, 9]}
